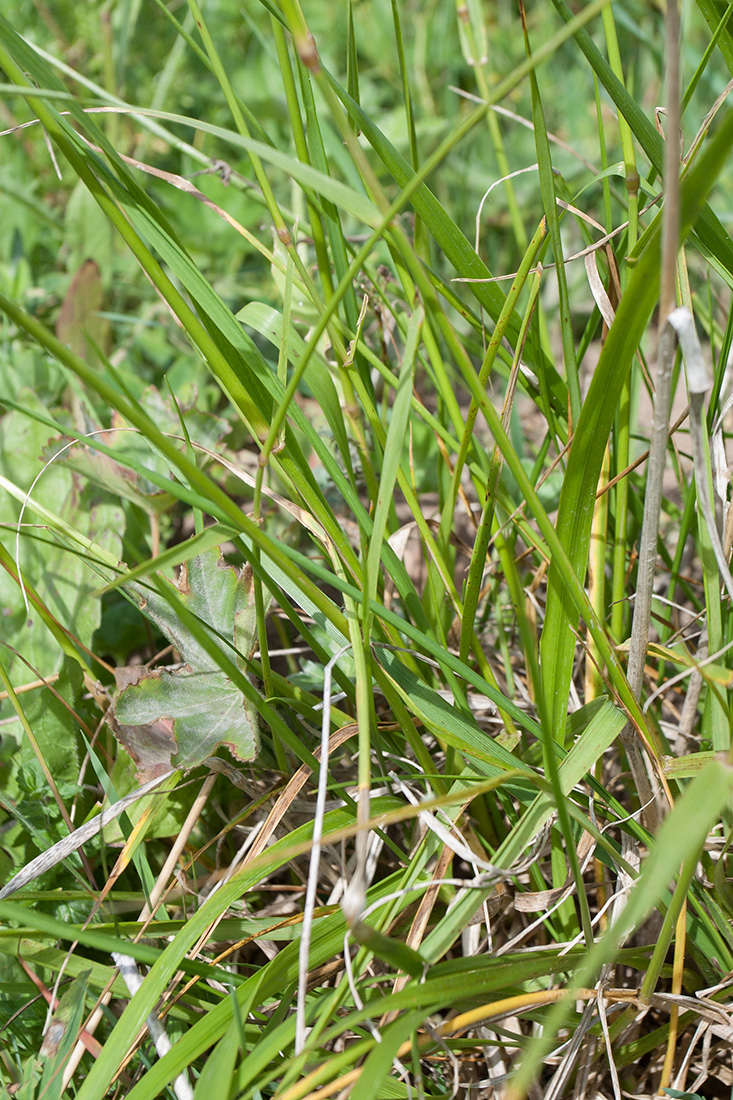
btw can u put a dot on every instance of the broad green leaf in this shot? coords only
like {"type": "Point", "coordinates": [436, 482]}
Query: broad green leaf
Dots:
{"type": "Point", "coordinates": [61, 577]}
{"type": "Point", "coordinates": [180, 717]}
{"type": "Point", "coordinates": [79, 323]}
{"type": "Point", "coordinates": [52, 715]}
{"type": "Point", "coordinates": [124, 777]}
{"type": "Point", "coordinates": [87, 235]}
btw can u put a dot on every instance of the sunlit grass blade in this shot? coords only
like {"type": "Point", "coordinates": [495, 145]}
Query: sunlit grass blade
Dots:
{"type": "Point", "coordinates": [586, 453]}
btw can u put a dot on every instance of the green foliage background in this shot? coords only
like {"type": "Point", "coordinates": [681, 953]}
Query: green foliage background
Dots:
{"type": "Point", "coordinates": [287, 288]}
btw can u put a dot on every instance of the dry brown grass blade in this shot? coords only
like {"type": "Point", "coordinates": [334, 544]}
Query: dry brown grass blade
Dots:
{"type": "Point", "coordinates": [276, 814]}
{"type": "Point", "coordinates": [420, 922]}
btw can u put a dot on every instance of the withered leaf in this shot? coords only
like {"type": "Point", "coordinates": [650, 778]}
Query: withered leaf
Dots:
{"type": "Point", "coordinates": [79, 314]}
{"type": "Point", "coordinates": [178, 717]}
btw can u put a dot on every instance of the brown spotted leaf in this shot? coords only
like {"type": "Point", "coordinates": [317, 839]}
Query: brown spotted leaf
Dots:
{"type": "Point", "coordinates": [178, 717]}
{"type": "Point", "coordinates": [79, 316]}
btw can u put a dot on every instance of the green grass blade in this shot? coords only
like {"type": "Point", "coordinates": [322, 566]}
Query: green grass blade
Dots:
{"type": "Point", "coordinates": [586, 454]}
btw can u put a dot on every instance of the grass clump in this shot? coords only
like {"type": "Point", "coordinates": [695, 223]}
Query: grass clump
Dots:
{"type": "Point", "coordinates": [364, 718]}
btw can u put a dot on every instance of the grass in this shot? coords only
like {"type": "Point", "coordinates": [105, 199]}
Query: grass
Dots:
{"type": "Point", "coordinates": [360, 556]}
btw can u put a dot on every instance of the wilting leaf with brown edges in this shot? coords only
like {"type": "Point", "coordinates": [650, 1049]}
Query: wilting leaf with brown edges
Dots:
{"type": "Point", "coordinates": [79, 313]}
{"type": "Point", "coordinates": [181, 716]}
